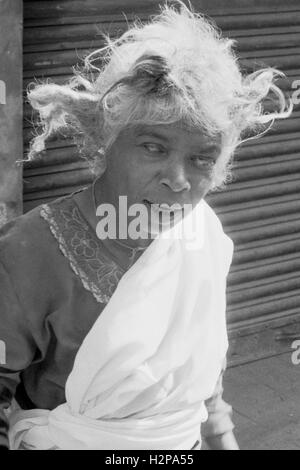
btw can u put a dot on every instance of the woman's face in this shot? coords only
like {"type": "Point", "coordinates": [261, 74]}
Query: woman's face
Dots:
{"type": "Point", "coordinates": [160, 164]}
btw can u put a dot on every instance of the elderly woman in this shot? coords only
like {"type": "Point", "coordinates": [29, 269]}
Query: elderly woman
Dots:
{"type": "Point", "coordinates": [119, 342]}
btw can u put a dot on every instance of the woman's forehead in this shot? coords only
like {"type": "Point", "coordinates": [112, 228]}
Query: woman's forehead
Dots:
{"type": "Point", "coordinates": [174, 132]}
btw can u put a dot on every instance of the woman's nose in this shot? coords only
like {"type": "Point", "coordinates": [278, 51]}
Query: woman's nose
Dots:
{"type": "Point", "coordinates": [175, 178]}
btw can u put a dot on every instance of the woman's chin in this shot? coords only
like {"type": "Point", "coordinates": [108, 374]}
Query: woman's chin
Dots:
{"type": "Point", "coordinates": [161, 223]}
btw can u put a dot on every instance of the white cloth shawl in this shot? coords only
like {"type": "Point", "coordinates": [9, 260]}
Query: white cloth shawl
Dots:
{"type": "Point", "coordinates": [154, 355]}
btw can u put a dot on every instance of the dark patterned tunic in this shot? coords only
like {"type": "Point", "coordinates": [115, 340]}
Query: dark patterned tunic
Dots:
{"type": "Point", "coordinates": [55, 279]}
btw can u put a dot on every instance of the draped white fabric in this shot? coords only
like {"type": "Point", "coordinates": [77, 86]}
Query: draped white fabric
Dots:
{"type": "Point", "coordinates": [154, 355]}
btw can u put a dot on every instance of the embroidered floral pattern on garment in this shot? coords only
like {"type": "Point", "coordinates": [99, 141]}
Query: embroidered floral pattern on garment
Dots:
{"type": "Point", "coordinates": [98, 273]}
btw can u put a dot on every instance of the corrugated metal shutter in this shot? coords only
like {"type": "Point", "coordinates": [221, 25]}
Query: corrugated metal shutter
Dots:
{"type": "Point", "coordinates": [259, 209]}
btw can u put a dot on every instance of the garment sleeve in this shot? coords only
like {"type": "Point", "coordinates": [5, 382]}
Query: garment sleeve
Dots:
{"type": "Point", "coordinates": [17, 347]}
{"type": "Point", "coordinates": [219, 412]}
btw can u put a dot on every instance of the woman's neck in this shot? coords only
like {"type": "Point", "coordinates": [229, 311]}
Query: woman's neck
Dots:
{"type": "Point", "coordinates": [125, 251]}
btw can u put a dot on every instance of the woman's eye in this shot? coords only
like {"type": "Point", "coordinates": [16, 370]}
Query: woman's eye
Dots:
{"type": "Point", "coordinates": [153, 148]}
{"type": "Point", "coordinates": [203, 162]}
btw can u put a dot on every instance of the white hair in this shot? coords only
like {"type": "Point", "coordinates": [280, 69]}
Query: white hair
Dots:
{"type": "Point", "coordinates": [175, 68]}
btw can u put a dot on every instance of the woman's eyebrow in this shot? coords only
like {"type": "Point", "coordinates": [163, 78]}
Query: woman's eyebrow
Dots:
{"type": "Point", "coordinates": [155, 135]}
{"type": "Point", "coordinates": [204, 146]}
{"type": "Point", "coordinates": [209, 147]}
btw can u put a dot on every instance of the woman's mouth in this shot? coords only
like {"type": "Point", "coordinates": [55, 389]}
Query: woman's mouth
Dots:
{"type": "Point", "coordinates": [163, 207]}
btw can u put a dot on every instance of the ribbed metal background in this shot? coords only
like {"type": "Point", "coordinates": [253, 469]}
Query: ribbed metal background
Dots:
{"type": "Point", "coordinates": [260, 208]}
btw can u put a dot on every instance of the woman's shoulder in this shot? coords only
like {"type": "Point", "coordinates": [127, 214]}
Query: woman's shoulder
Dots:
{"type": "Point", "coordinates": [220, 241]}
{"type": "Point", "coordinates": [25, 251]}
{"type": "Point", "coordinates": [213, 221]}
{"type": "Point", "coordinates": [20, 232]}
{"type": "Point", "coordinates": [28, 236]}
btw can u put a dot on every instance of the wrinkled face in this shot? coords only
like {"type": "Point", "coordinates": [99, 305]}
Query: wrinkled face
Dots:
{"type": "Point", "coordinates": [160, 164]}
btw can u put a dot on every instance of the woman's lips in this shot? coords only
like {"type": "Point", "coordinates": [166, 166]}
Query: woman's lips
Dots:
{"type": "Point", "coordinates": [163, 207]}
